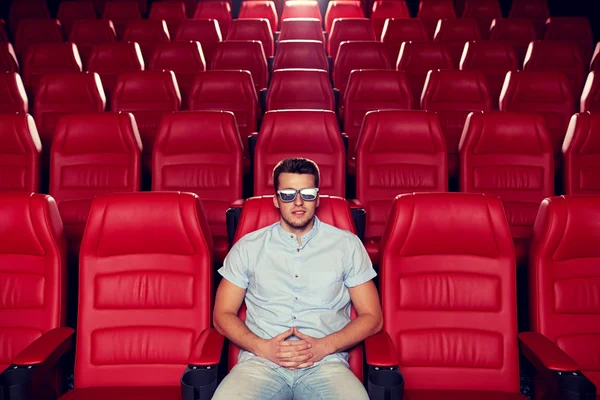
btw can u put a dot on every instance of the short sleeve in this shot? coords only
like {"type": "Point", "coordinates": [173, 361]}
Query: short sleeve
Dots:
{"type": "Point", "coordinates": [359, 268]}
{"type": "Point", "coordinates": [235, 268]}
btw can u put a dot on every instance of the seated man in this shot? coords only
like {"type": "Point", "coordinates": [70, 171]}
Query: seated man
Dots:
{"type": "Point", "coordinates": [297, 277]}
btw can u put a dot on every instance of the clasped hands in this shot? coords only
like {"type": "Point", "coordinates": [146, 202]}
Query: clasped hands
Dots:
{"type": "Point", "coordinates": [294, 354]}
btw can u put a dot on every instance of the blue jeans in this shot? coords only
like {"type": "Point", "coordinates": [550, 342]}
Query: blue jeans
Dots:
{"type": "Point", "coordinates": [260, 379]}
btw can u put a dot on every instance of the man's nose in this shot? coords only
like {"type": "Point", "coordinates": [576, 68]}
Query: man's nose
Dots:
{"type": "Point", "coordinates": [298, 200]}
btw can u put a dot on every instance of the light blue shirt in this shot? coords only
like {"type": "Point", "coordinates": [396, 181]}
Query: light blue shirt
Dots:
{"type": "Point", "coordinates": [305, 286]}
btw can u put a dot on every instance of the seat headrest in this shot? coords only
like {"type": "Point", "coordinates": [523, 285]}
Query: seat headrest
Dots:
{"type": "Point", "coordinates": [457, 89]}
{"type": "Point", "coordinates": [116, 57]}
{"type": "Point", "coordinates": [147, 87]}
{"type": "Point", "coordinates": [73, 88]}
{"type": "Point", "coordinates": [489, 54]}
{"type": "Point", "coordinates": [414, 55]}
{"type": "Point", "coordinates": [146, 30]}
{"type": "Point", "coordinates": [180, 57]}
{"type": "Point", "coordinates": [18, 134]}
{"type": "Point", "coordinates": [536, 87]}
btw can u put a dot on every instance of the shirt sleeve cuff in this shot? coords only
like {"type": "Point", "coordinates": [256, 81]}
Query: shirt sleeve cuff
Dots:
{"type": "Point", "coordinates": [227, 275]}
{"type": "Point", "coordinates": [361, 278]}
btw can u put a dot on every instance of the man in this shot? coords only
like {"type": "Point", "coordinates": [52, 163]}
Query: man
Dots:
{"type": "Point", "coordinates": [297, 277]}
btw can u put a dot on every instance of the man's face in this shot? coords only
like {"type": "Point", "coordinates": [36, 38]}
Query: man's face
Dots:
{"type": "Point", "coordinates": [298, 214]}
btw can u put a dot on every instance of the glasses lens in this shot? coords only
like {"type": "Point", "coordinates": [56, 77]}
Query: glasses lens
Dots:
{"type": "Point", "coordinates": [309, 194]}
{"type": "Point", "coordinates": [287, 195]}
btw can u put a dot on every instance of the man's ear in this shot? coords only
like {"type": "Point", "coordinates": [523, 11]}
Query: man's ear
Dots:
{"type": "Point", "coordinates": [275, 202]}
{"type": "Point", "coordinates": [318, 200]}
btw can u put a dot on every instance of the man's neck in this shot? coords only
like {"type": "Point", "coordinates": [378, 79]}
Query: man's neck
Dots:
{"type": "Point", "coordinates": [298, 232]}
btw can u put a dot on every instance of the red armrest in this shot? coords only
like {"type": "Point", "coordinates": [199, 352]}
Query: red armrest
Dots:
{"type": "Point", "coordinates": [207, 349]}
{"type": "Point", "coordinates": [543, 353]}
{"type": "Point", "coordinates": [355, 203]}
{"type": "Point", "coordinates": [237, 204]}
{"type": "Point", "coordinates": [380, 351]}
{"type": "Point", "coordinates": [48, 347]}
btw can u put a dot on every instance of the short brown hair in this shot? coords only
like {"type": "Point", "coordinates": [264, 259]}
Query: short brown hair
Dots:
{"type": "Point", "coordinates": [295, 165]}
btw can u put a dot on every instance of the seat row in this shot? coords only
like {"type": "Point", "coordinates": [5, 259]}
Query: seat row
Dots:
{"type": "Point", "coordinates": [145, 297]}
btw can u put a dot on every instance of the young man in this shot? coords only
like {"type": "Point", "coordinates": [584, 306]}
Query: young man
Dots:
{"type": "Point", "coordinates": [298, 278]}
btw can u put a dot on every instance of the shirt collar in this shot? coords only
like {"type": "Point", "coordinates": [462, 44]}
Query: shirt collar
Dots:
{"type": "Point", "coordinates": [292, 239]}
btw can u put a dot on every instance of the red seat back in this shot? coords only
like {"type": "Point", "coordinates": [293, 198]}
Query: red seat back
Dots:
{"type": "Point", "coordinates": [484, 12]}
{"type": "Point", "coordinates": [300, 89]}
{"type": "Point", "coordinates": [595, 63]}
{"type": "Point", "coordinates": [590, 98]}
{"type": "Point", "coordinates": [456, 32]}
{"type": "Point", "coordinates": [8, 58]}
{"type": "Point", "coordinates": [577, 29]}
{"type": "Point", "coordinates": [246, 55]}
{"type": "Point", "coordinates": [536, 10]}
{"type": "Point", "coordinates": [260, 9]}
{"type": "Point", "coordinates": [121, 13]}
{"type": "Point", "coordinates": [431, 11]}
{"type": "Point", "coordinates": [19, 153]}
{"type": "Point", "coordinates": [3, 31]}
{"type": "Point", "coordinates": [71, 11]}
{"type": "Point", "coordinates": [253, 29]}
{"type": "Point", "coordinates": [217, 10]}
{"type": "Point", "coordinates": [19, 10]}
{"type": "Point", "coordinates": [301, 29]}
{"type": "Point", "coordinates": [300, 54]}
{"type": "Point", "coordinates": [399, 30]}
{"type": "Point", "coordinates": [345, 29]}
{"type": "Point", "coordinates": [147, 33]}
{"type": "Point", "coordinates": [342, 9]}
{"type": "Point", "coordinates": [172, 12]}
{"type": "Point", "coordinates": [205, 31]}
{"type": "Point", "coordinates": [580, 154]}
{"type": "Point", "coordinates": [37, 31]}
{"type": "Point", "coordinates": [87, 33]}
{"type": "Point", "coordinates": [13, 98]}
{"type": "Point", "coordinates": [358, 55]}
{"type": "Point", "coordinates": [384, 10]}
{"type": "Point", "coordinates": [301, 9]}
{"type": "Point", "coordinates": [519, 32]}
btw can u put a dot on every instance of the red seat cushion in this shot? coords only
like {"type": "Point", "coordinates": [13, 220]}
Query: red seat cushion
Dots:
{"type": "Point", "coordinates": [124, 393]}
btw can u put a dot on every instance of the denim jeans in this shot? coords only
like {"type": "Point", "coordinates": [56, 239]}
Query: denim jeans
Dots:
{"type": "Point", "coordinates": [261, 379]}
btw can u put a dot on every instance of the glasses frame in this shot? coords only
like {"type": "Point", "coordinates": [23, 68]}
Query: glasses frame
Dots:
{"type": "Point", "coordinates": [299, 191]}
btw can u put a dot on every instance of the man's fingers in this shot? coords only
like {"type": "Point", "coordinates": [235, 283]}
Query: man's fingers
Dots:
{"type": "Point", "coordinates": [291, 354]}
{"type": "Point", "coordinates": [295, 344]}
{"type": "Point", "coordinates": [305, 365]}
{"type": "Point", "coordinates": [291, 364]}
{"type": "Point", "coordinates": [284, 335]}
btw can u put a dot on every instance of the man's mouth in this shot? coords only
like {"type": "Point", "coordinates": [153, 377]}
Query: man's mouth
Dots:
{"type": "Point", "coordinates": [298, 213]}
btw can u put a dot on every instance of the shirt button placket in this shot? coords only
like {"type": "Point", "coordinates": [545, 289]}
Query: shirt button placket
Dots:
{"type": "Point", "coordinates": [296, 285]}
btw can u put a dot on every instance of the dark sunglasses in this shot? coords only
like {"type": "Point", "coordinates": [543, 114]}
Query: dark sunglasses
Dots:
{"type": "Point", "coordinates": [289, 195]}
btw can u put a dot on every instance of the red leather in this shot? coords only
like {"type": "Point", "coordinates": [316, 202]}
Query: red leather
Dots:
{"type": "Point", "coordinates": [172, 12]}
{"type": "Point", "coordinates": [393, 10]}
{"type": "Point", "coordinates": [301, 9]}
{"type": "Point", "coordinates": [595, 63]}
{"type": "Point", "coordinates": [301, 29]}
{"type": "Point", "coordinates": [461, 395]}
{"type": "Point", "coordinates": [20, 10]}
{"type": "Point", "coordinates": [44, 348]}
{"type": "Point", "coordinates": [417, 58]}
{"type": "Point", "coordinates": [13, 98]}
{"type": "Point", "coordinates": [3, 31]}
{"type": "Point", "coordinates": [563, 266]}
{"type": "Point", "coordinates": [148, 95]}
{"type": "Point", "coordinates": [519, 32]}
{"type": "Point", "coordinates": [216, 10]}
{"type": "Point", "coordinates": [400, 30]}
{"type": "Point", "coordinates": [111, 59]}
{"type": "Point", "coordinates": [63, 94]}
{"type": "Point", "coordinates": [580, 155]}
{"type": "Point", "coordinates": [542, 352]}
{"type": "Point", "coordinates": [145, 290]}
{"type": "Point", "coordinates": [545, 93]}
{"type": "Point", "coordinates": [91, 155]}
{"type": "Point", "coordinates": [207, 348]}
{"type": "Point", "coordinates": [186, 60]}
{"type": "Point", "coordinates": [19, 154]}
{"type": "Point", "coordinates": [456, 32]}
{"type": "Point", "coordinates": [522, 176]}
{"type": "Point", "coordinates": [379, 351]}
{"type": "Point", "coordinates": [493, 59]}
{"type": "Point", "coordinates": [71, 11]}
{"type": "Point", "coordinates": [431, 11]}
{"type": "Point", "coordinates": [300, 54]}
{"type": "Point", "coordinates": [536, 10]}
{"type": "Point", "coordinates": [576, 29]}
{"type": "Point", "coordinates": [342, 9]}
{"type": "Point", "coordinates": [87, 33]}
{"type": "Point", "coordinates": [484, 12]}
{"type": "Point", "coordinates": [33, 262]}
{"type": "Point", "coordinates": [253, 29]}
{"type": "Point", "coordinates": [260, 9]}
{"type": "Point", "coordinates": [8, 58]}
{"type": "Point", "coordinates": [590, 98]}
{"type": "Point", "coordinates": [398, 152]}
{"type": "Point", "coordinates": [358, 55]}
{"type": "Point", "coordinates": [321, 142]}
{"type": "Point", "coordinates": [300, 89]}
{"type": "Point", "coordinates": [205, 31]}
{"type": "Point", "coordinates": [121, 13]}
{"type": "Point", "coordinates": [201, 152]}
{"type": "Point", "coordinates": [172, 392]}
{"type": "Point", "coordinates": [37, 31]}
{"type": "Point", "coordinates": [453, 95]}
{"type": "Point", "coordinates": [447, 283]}
{"type": "Point", "coordinates": [245, 55]}
{"type": "Point", "coordinates": [147, 33]}
{"type": "Point", "coordinates": [346, 29]}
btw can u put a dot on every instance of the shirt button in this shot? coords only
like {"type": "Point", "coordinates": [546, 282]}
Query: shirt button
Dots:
{"type": "Point", "coordinates": [296, 298]}
{"type": "Point", "coordinates": [296, 275]}
{"type": "Point", "coordinates": [291, 236]}
{"type": "Point", "coordinates": [298, 250]}
{"type": "Point", "coordinates": [294, 317]}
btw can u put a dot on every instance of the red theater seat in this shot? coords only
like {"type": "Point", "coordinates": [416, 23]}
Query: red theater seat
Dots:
{"type": "Point", "coordinates": [431, 11]}
{"type": "Point", "coordinates": [509, 155]}
{"type": "Point", "coordinates": [432, 290]}
{"type": "Point", "coordinates": [519, 32]}
{"type": "Point", "coordinates": [398, 152]}
{"type": "Point", "coordinates": [19, 155]}
{"type": "Point", "coordinates": [484, 12]}
{"type": "Point", "coordinates": [246, 55]}
{"type": "Point", "coordinates": [13, 98]}
{"type": "Point", "coordinates": [206, 32]}
{"type": "Point", "coordinates": [3, 31]}
{"type": "Point", "coordinates": [300, 89]}
{"type": "Point", "coordinates": [71, 11]}
{"type": "Point", "coordinates": [581, 155]}
{"type": "Point", "coordinates": [577, 29]}
{"type": "Point", "coordinates": [121, 13]}
{"type": "Point", "coordinates": [301, 29]}
{"type": "Point", "coordinates": [590, 98]}
{"type": "Point", "coordinates": [345, 29]}
{"type": "Point", "coordinates": [536, 10]}
{"type": "Point", "coordinates": [143, 279]}
{"type": "Point", "coordinates": [417, 59]}
{"type": "Point", "coordinates": [37, 31]}
{"type": "Point", "coordinates": [456, 32]}
{"type": "Point", "coordinates": [301, 9]}
{"type": "Point", "coordinates": [19, 10]}
{"type": "Point", "coordinates": [172, 12]}
{"type": "Point", "coordinates": [217, 10]}
{"type": "Point", "coordinates": [384, 10]}
{"type": "Point", "coordinates": [87, 33]}
{"type": "Point", "coordinates": [397, 31]}
{"type": "Point", "coordinates": [358, 55]}
{"type": "Point", "coordinates": [91, 155]}
{"type": "Point", "coordinates": [201, 152]}
{"type": "Point", "coordinates": [321, 141]}
{"type": "Point", "coordinates": [595, 63]}
{"type": "Point", "coordinates": [253, 29]}
{"type": "Point", "coordinates": [260, 9]}
{"type": "Point", "coordinates": [300, 54]}
{"type": "Point", "coordinates": [147, 33]}
{"type": "Point", "coordinates": [342, 9]}
{"type": "Point", "coordinates": [453, 95]}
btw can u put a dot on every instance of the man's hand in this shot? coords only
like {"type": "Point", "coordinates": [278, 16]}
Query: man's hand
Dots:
{"type": "Point", "coordinates": [319, 348]}
{"type": "Point", "coordinates": [290, 354]}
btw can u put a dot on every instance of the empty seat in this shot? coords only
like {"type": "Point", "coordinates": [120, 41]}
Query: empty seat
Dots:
{"type": "Point", "coordinates": [111, 59]}
{"type": "Point", "coordinates": [595, 63]}
{"type": "Point", "coordinates": [205, 31]}
{"type": "Point", "coordinates": [19, 155]}
{"type": "Point", "coordinates": [300, 54]}
{"type": "Point", "coordinates": [398, 152]}
{"type": "Point", "coordinates": [345, 29]}
{"type": "Point", "coordinates": [218, 10]}
{"type": "Point", "coordinates": [148, 95]}
{"type": "Point", "coordinates": [581, 155]}
{"type": "Point", "coordinates": [384, 10]}
{"type": "Point", "coordinates": [590, 98]}
{"type": "Point", "coordinates": [358, 55]}
{"type": "Point", "coordinates": [34, 31]}
{"type": "Point", "coordinates": [301, 9]}
{"type": "Point", "coordinates": [260, 9]}
{"type": "Point", "coordinates": [519, 32]}
{"type": "Point", "coordinates": [484, 12]}
{"type": "Point", "coordinates": [342, 9]}
{"type": "Point", "coordinates": [417, 59]}
{"type": "Point", "coordinates": [253, 29]}
{"type": "Point", "coordinates": [397, 31]}
{"type": "Point", "coordinates": [559, 56]}
{"type": "Point", "coordinates": [431, 11]}
{"type": "Point", "coordinates": [536, 10]}
{"type": "Point", "coordinates": [492, 58]}
{"type": "Point", "coordinates": [577, 29]}
{"type": "Point", "coordinates": [8, 58]}
{"type": "Point", "coordinates": [121, 13]}
{"type": "Point", "coordinates": [453, 95]}
{"type": "Point", "coordinates": [13, 98]}
{"type": "Point", "coordinates": [91, 155]}
{"type": "Point", "coordinates": [456, 32]}
{"type": "Point", "coordinates": [146, 33]}
{"type": "Point", "coordinates": [509, 155]}
{"type": "Point", "coordinates": [19, 10]}
{"type": "Point", "coordinates": [71, 11]}
{"type": "Point", "coordinates": [201, 152]}
{"type": "Point", "coordinates": [545, 93]}
{"type": "Point", "coordinates": [246, 55]}
{"type": "Point", "coordinates": [301, 133]}
{"type": "Point", "coordinates": [301, 29]}
{"type": "Point", "coordinates": [87, 33]}
{"type": "Point", "coordinates": [172, 12]}
{"type": "Point", "coordinates": [300, 89]}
